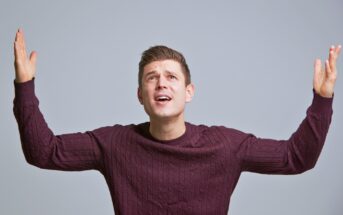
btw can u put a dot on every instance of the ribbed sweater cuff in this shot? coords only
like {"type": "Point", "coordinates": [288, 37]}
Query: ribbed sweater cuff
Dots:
{"type": "Point", "coordinates": [321, 104]}
{"type": "Point", "coordinates": [24, 91]}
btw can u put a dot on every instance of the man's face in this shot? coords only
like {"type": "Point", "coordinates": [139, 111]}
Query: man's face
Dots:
{"type": "Point", "coordinates": [163, 92]}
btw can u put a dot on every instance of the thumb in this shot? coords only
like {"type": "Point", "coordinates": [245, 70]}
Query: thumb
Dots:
{"type": "Point", "coordinates": [33, 58]}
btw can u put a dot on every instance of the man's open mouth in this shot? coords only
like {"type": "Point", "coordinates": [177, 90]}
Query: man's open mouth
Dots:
{"type": "Point", "coordinates": [162, 98]}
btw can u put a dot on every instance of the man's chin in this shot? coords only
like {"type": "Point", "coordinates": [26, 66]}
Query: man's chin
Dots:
{"type": "Point", "coordinates": [163, 116]}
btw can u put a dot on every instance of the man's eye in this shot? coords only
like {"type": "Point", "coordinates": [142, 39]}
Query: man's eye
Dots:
{"type": "Point", "coordinates": [172, 77]}
{"type": "Point", "coordinates": [151, 78]}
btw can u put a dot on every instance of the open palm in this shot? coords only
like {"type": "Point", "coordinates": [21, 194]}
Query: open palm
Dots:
{"type": "Point", "coordinates": [25, 67]}
{"type": "Point", "coordinates": [324, 79]}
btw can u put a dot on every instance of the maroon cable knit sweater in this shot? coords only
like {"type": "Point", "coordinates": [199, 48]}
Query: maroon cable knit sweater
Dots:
{"type": "Point", "coordinates": [194, 174]}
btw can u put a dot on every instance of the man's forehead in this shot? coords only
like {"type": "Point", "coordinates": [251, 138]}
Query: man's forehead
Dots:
{"type": "Point", "coordinates": [163, 65]}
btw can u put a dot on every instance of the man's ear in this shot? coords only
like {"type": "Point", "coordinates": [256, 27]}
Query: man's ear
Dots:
{"type": "Point", "coordinates": [189, 92]}
{"type": "Point", "coordinates": [139, 95]}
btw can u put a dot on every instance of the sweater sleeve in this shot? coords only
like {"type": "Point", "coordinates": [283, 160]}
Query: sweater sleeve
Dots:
{"type": "Point", "coordinates": [72, 152]}
{"type": "Point", "coordinates": [293, 156]}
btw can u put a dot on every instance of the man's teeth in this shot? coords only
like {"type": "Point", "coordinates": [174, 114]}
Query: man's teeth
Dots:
{"type": "Point", "coordinates": [163, 98]}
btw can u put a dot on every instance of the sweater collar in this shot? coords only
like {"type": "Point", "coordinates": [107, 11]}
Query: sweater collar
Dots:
{"type": "Point", "coordinates": [144, 130]}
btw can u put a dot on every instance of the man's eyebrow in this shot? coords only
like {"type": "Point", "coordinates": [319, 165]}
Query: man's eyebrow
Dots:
{"type": "Point", "coordinates": [171, 72]}
{"type": "Point", "coordinates": [149, 73]}
{"type": "Point", "coordinates": [154, 72]}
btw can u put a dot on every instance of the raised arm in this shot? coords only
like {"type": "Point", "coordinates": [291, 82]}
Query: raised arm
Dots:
{"type": "Point", "coordinates": [78, 151]}
{"type": "Point", "coordinates": [301, 151]}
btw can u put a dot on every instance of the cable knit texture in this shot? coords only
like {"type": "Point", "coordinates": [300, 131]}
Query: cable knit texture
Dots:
{"type": "Point", "coordinates": [194, 174]}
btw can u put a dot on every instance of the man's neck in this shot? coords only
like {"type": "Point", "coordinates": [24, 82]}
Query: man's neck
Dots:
{"type": "Point", "coordinates": [167, 129]}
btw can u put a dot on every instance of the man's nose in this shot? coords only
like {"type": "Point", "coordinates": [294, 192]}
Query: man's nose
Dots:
{"type": "Point", "coordinates": [162, 82]}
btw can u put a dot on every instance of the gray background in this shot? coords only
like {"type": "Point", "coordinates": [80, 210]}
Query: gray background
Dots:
{"type": "Point", "coordinates": [251, 62]}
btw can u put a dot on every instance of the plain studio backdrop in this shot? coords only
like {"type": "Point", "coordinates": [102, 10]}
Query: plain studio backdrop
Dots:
{"type": "Point", "coordinates": [251, 63]}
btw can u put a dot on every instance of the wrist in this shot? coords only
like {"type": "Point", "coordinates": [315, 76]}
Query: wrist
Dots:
{"type": "Point", "coordinates": [23, 79]}
{"type": "Point", "coordinates": [326, 94]}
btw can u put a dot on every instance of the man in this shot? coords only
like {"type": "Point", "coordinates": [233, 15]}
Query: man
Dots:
{"type": "Point", "coordinates": [167, 165]}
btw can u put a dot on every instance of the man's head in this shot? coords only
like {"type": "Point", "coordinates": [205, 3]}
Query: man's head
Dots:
{"type": "Point", "coordinates": [164, 83]}
{"type": "Point", "coordinates": [158, 53]}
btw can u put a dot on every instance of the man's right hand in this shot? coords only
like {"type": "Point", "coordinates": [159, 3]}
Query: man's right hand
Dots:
{"type": "Point", "coordinates": [25, 67]}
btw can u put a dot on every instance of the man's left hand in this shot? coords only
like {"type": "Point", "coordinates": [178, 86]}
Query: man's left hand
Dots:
{"type": "Point", "coordinates": [324, 79]}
